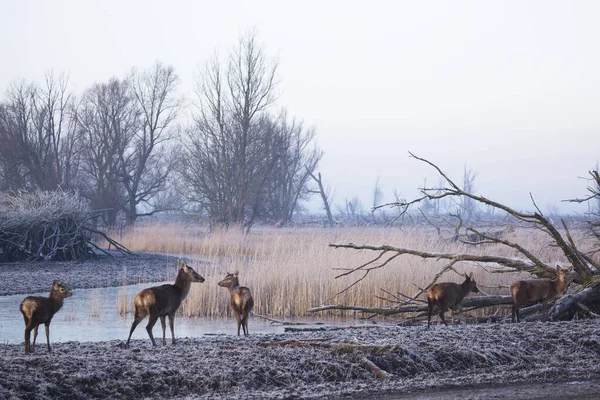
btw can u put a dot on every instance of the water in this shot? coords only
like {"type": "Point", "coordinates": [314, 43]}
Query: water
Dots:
{"type": "Point", "coordinates": [91, 315]}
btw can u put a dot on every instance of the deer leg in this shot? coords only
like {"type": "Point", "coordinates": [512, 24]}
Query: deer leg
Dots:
{"type": "Point", "coordinates": [151, 322]}
{"type": "Point", "coordinates": [429, 312]}
{"type": "Point", "coordinates": [47, 326]}
{"type": "Point", "coordinates": [139, 316]}
{"type": "Point", "coordinates": [245, 325]}
{"type": "Point", "coordinates": [28, 338]}
{"type": "Point", "coordinates": [452, 315]}
{"type": "Point", "coordinates": [544, 307]}
{"type": "Point", "coordinates": [171, 320]}
{"type": "Point", "coordinates": [35, 332]}
{"type": "Point", "coordinates": [238, 318]}
{"type": "Point", "coordinates": [442, 317]}
{"type": "Point", "coordinates": [163, 323]}
{"type": "Point", "coordinates": [443, 308]}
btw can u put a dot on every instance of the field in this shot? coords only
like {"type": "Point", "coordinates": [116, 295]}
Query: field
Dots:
{"type": "Point", "coordinates": [291, 270]}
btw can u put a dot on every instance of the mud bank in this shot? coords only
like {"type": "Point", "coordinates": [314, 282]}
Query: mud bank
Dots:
{"type": "Point", "coordinates": [385, 360]}
{"type": "Point", "coordinates": [102, 271]}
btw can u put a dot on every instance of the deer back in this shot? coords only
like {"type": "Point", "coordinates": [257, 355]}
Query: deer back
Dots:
{"type": "Point", "coordinates": [531, 290]}
{"type": "Point", "coordinates": [451, 294]}
{"type": "Point", "coordinates": [539, 289]}
{"type": "Point", "coordinates": [447, 293]}
{"type": "Point", "coordinates": [42, 309]}
{"type": "Point", "coordinates": [162, 300]}
{"type": "Point", "coordinates": [241, 300]}
{"type": "Point", "coordinates": [166, 299]}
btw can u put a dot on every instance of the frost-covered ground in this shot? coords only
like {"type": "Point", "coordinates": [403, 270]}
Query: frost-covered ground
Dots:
{"type": "Point", "coordinates": [307, 364]}
{"type": "Point", "coordinates": [373, 362]}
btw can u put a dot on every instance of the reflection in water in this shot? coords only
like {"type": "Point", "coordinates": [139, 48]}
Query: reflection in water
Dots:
{"type": "Point", "coordinates": [92, 315]}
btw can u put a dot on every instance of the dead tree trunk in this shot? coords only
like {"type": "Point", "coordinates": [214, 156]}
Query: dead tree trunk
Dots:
{"type": "Point", "coordinates": [324, 197]}
{"type": "Point", "coordinates": [567, 306]}
{"type": "Point", "coordinates": [471, 303]}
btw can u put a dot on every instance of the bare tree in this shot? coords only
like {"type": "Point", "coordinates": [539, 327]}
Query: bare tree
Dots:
{"type": "Point", "coordinates": [593, 198]}
{"type": "Point", "coordinates": [147, 162]}
{"type": "Point", "coordinates": [108, 120]}
{"type": "Point", "coordinates": [326, 197]}
{"type": "Point", "coordinates": [251, 82]}
{"type": "Point", "coordinates": [377, 198]}
{"type": "Point", "coordinates": [233, 145]}
{"type": "Point", "coordinates": [298, 158]}
{"type": "Point", "coordinates": [37, 129]}
{"type": "Point", "coordinates": [468, 206]}
{"type": "Point", "coordinates": [207, 164]}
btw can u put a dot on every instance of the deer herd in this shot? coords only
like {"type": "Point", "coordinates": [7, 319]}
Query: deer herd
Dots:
{"type": "Point", "coordinates": [164, 301]}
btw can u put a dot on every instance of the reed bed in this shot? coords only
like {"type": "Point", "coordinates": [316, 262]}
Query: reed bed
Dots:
{"type": "Point", "coordinates": [291, 270]}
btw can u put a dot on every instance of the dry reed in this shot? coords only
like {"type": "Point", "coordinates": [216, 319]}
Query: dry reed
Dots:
{"type": "Point", "coordinates": [291, 270]}
{"type": "Point", "coordinates": [123, 298]}
{"type": "Point", "coordinates": [95, 304]}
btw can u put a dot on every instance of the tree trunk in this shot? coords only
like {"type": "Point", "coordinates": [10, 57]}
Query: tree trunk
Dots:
{"type": "Point", "coordinates": [472, 302]}
{"type": "Point", "coordinates": [568, 305]}
{"type": "Point", "coordinates": [324, 198]}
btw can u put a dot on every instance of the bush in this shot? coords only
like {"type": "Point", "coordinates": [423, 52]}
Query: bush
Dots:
{"type": "Point", "coordinates": [43, 225]}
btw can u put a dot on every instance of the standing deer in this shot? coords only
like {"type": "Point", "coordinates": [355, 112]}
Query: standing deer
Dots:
{"type": "Point", "coordinates": [448, 295]}
{"type": "Point", "coordinates": [37, 310]}
{"type": "Point", "coordinates": [537, 289]}
{"type": "Point", "coordinates": [160, 301]}
{"type": "Point", "coordinates": [241, 300]}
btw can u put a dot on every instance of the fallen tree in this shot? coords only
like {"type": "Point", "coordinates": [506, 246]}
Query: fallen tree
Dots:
{"type": "Point", "coordinates": [586, 266]}
{"type": "Point", "coordinates": [47, 225]}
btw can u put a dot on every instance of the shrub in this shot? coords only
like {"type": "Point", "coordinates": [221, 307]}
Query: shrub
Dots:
{"type": "Point", "coordinates": [41, 225]}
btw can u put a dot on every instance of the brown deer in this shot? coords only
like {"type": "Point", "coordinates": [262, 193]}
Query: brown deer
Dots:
{"type": "Point", "coordinates": [448, 295]}
{"type": "Point", "coordinates": [537, 289]}
{"type": "Point", "coordinates": [37, 310]}
{"type": "Point", "coordinates": [241, 300]}
{"type": "Point", "coordinates": [160, 301]}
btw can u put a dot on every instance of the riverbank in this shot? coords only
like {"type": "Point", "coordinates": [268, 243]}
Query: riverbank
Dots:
{"type": "Point", "coordinates": [338, 363]}
{"type": "Point", "coordinates": [102, 271]}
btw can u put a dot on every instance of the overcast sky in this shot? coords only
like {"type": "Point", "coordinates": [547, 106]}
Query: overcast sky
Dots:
{"type": "Point", "coordinates": [510, 88]}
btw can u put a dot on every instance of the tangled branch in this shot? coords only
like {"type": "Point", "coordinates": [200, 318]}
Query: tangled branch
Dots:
{"type": "Point", "coordinates": [43, 225]}
{"type": "Point", "coordinates": [586, 268]}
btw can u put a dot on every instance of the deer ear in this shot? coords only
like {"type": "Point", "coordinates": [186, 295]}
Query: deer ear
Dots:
{"type": "Point", "coordinates": [471, 275]}
{"type": "Point", "coordinates": [236, 272]}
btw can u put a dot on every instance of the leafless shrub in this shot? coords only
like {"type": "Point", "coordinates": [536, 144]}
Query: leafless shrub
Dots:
{"type": "Point", "coordinates": [45, 225]}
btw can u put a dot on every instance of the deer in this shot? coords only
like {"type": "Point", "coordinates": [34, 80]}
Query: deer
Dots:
{"type": "Point", "coordinates": [38, 310]}
{"type": "Point", "coordinates": [448, 295]}
{"type": "Point", "coordinates": [241, 300]}
{"type": "Point", "coordinates": [162, 301]}
{"type": "Point", "coordinates": [537, 289]}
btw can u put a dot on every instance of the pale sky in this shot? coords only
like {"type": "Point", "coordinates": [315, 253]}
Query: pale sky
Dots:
{"type": "Point", "coordinates": [510, 88]}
